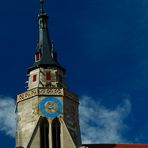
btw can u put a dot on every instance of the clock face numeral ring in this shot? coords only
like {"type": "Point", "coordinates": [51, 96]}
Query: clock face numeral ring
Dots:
{"type": "Point", "coordinates": [50, 107]}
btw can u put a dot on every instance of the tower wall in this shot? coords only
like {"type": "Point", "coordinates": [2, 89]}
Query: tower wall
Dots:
{"type": "Point", "coordinates": [29, 114]}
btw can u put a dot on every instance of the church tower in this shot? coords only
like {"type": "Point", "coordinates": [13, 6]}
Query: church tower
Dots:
{"type": "Point", "coordinates": [47, 112]}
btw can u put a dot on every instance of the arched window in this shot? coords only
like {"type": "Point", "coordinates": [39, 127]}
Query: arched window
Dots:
{"type": "Point", "coordinates": [44, 132]}
{"type": "Point", "coordinates": [56, 131]}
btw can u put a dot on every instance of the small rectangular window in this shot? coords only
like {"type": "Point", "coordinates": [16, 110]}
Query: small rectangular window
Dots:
{"type": "Point", "coordinates": [34, 78]}
{"type": "Point", "coordinates": [48, 76]}
{"type": "Point", "coordinates": [37, 56]}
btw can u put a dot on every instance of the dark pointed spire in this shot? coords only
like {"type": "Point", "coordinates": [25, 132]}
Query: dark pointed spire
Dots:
{"type": "Point", "coordinates": [42, 5]}
{"type": "Point", "coordinates": [44, 42]}
{"type": "Point", "coordinates": [45, 53]}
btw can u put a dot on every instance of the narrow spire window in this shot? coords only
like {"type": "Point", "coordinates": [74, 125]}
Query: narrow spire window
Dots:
{"type": "Point", "coordinates": [56, 131]}
{"type": "Point", "coordinates": [37, 56]}
{"type": "Point", "coordinates": [44, 132]}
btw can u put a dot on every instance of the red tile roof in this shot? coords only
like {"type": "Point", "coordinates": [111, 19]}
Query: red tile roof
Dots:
{"type": "Point", "coordinates": [132, 146]}
{"type": "Point", "coordinates": [116, 145]}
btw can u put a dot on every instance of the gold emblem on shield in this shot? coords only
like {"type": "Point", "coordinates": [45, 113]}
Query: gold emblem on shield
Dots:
{"type": "Point", "coordinates": [51, 107]}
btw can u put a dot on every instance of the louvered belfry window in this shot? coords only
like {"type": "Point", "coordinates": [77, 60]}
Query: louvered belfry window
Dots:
{"type": "Point", "coordinates": [56, 131]}
{"type": "Point", "coordinates": [44, 132]}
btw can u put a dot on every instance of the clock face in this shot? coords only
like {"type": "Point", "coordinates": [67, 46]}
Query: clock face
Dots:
{"type": "Point", "coordinates": [50, 107]}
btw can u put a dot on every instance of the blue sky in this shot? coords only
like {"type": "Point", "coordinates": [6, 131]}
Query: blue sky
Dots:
{"type": "Point", "coordinates": [103, 44]}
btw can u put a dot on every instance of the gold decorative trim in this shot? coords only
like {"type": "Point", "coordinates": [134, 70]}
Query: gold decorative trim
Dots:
{"type": "Point", "coordinates": [39, 92]}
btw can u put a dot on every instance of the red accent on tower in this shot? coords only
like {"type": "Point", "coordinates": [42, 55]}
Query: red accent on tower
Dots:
{"type": "Point", "coordinates": [48, 76]}
{"type": "Point", "coordinates": [34, 78]}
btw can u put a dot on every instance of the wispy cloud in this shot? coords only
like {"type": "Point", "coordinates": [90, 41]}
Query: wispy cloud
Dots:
{"type": "Point", "coordinates": [100, 124]}
{"type": "Point", "coordinates": [7, 116]}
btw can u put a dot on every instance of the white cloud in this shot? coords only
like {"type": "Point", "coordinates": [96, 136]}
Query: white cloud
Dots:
{"type": "Point", "coordinates": [7, 116]}
{"type": "Point", "coordinates": [100, 124]}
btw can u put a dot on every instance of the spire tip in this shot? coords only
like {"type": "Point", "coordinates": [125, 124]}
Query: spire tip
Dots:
{"type": "Point", "coordinates": [41, 6]}
{"type": "Point", "coordinates": [41, 1]}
